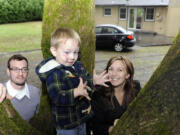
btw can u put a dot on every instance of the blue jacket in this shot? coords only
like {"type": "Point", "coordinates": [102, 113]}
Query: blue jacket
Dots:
{"type": "Point", "coordinates": [68, 112]}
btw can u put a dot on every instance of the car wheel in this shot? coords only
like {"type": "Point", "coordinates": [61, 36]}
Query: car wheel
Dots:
{"type": "Point", "coordinates": [118, 47]}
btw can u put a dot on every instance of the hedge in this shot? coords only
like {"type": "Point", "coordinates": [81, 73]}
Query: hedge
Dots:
{"type": "Point", "coordinates": [12, 11]}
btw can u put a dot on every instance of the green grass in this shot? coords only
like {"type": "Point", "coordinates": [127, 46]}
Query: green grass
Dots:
{"type": "Point", "coordinates": [20, 36]}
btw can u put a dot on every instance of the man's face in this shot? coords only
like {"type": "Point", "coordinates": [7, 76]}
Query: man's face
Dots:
{"type": "Point", "coordinates": [18, 72]}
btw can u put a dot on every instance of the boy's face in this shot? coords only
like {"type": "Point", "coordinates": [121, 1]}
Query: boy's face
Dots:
{"type": "Point", "coordinates": [66, 53]}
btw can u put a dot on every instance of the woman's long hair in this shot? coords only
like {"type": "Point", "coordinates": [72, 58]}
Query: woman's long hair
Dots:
{"type": "Point", "coordinates": [130, 91]}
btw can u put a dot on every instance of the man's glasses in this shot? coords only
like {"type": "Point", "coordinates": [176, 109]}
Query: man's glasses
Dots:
{"type": "Point", "coordinates": [17, 70]}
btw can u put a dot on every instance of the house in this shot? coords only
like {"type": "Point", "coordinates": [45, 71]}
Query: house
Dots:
{"type": "Point", "coordinates": [153, 16]}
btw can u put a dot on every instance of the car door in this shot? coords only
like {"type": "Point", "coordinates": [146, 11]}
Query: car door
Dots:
{"type": "Point", "coordinates": [108, 36]}
{"type": "Point", "coordinates": [99, 37]}
{"type": "Point", "coordinates": [104, 36]}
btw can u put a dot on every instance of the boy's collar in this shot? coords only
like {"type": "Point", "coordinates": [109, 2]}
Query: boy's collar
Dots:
{"type": "Point", "coordinates": [51, 64]}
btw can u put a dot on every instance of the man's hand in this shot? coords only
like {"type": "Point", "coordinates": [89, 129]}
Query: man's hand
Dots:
{"type": "Point", "coordinates": [100, 79]}
{"type": "Point", "coordinates": [2, 92]}
{"type": "Point", "coordinates": [81, 90]}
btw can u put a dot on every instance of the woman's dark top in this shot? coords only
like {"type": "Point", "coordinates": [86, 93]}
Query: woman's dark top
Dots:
{"type": "Point", "coordinates": [105, 112]}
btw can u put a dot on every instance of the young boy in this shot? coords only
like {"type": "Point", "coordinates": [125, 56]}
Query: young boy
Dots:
{"type": "Point", "coordinates": [68, 83]}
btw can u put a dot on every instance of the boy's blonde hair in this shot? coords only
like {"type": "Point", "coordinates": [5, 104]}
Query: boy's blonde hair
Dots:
{"type": "Point", "coordinates": [61, 35]}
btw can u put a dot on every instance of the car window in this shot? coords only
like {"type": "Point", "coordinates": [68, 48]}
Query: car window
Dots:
{"type": "Point", "coordinates": [98, 30]}
{"type": "Point", "coordinates": [104, 30]}
{"type": "Point", "coordinates": [110, 30]}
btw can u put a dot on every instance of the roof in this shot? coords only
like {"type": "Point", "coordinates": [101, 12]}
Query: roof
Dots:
{"type": "Point", "coordinates": [132, 2]}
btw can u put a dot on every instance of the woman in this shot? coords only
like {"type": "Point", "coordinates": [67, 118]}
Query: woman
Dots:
{"type": "Point", "coordinates": [109, 103]}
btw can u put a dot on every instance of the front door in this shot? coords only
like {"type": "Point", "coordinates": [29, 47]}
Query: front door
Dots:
{"type": "Point", "coordinates": [135, 18]}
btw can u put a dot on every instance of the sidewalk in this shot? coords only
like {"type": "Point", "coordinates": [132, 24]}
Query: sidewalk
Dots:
{"type": "Point", "coordinates": [152, 39]}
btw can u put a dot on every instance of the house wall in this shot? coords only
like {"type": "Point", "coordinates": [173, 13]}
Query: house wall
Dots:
{"type": "Point", "coordinates": [101, 19]}
{"type": "Point", "coordinates": [159, 23]}
{"type": "Point", "coordinates": [167, 19]}
{"type": "Point", "coordinates": [160, 20]}
{"type": "Point", "coordinates": [114, 19]}
{"type": "Point", "coordinates": [173, 21]}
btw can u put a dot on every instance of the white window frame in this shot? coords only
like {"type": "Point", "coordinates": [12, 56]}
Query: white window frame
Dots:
{"type": "Point", "coordinates": [110, 11]}
{"type": "Point", "coordinates": [120, 13]}
{"type": "Point", "coordinates": [146, 14]}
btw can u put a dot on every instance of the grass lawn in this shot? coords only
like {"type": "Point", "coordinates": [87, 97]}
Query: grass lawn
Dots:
{"type": "Point", "coordinates": [20, 36]}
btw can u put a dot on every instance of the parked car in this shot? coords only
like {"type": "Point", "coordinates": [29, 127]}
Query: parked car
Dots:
{"type": "Point", "coordinates": [116, 37]}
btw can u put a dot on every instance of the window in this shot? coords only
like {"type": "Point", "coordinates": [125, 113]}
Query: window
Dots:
{"type": "Point", "coordinates": [110, 30]}
{"type": "Point", "coordinates": [107, 11]}
{"type": "Point", "coordinates": [122, 13]}
{"type": "Point", "coordinates": [149, 14]}
{"type": "Point", "coordinates": [98, 30]}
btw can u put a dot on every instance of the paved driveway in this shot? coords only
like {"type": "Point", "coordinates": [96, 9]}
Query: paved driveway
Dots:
{"type": "Point", "coordinates": [145, 60]}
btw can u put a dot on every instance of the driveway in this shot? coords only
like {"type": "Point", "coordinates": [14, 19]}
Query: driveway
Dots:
{"type": "Point", "coordinates": [145, 60]}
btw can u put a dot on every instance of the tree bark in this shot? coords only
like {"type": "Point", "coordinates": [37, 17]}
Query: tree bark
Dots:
{"type": "Point", "coordinates": [156, 110]}
{"type": "Point", "coordinates": [76, 14]}
{"type": "Point", "coordinates": [12, 124]}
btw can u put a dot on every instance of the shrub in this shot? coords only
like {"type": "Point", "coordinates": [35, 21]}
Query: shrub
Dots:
{"type": "Point", "coordinates": [12, 11]}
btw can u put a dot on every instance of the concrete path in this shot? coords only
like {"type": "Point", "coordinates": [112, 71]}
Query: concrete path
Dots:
{"type": "Point", "coordinates": [144, 59]}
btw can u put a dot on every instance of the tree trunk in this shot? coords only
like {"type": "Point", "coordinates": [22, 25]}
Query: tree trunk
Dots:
{"type": "Point", "coordinates": [12, 124]}
{"type": "Point", "coordinates": [156, 110]}
{"type": "Point", "coordinates": [76, 14]}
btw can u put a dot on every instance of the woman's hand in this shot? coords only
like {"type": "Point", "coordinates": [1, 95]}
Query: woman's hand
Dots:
{"type": "Point", "coordinates": [100, 79]}
{"type": "Point", "coordinates": [111, 127]}
{"type": "Point", "coordinates": [2, 92]}
{"type": "Point", "coordinates": [115, 122]}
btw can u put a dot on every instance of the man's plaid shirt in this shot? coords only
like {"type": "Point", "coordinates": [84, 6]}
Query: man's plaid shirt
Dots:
{"type": "Point", "coordinates": [68, 112]}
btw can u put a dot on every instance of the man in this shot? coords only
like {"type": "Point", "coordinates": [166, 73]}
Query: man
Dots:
{"type": "Point", "coordinates": [24, 97]}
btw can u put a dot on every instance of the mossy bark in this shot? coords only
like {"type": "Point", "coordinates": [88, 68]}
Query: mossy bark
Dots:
{"type": "Point", "coordinates": [156, 110]}
{"type": "Point", "coordinates": [75, 14]}
{"type": "Point", "coordinates": [43, 120]}
{"type": "Point", "coordinates": [12, 124]}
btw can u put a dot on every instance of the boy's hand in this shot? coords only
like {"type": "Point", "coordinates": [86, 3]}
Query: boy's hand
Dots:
{"type": "Point", "coordinates": [81, 90]}
{"type": "Point", "coordinates": [100, 79]}
{"type": "Point", "coordinates": [2, 92]}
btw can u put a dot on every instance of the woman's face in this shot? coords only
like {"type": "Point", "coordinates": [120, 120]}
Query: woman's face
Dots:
{"type": "Point", "coordinates": [117, 73]}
